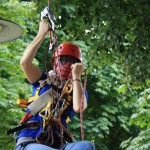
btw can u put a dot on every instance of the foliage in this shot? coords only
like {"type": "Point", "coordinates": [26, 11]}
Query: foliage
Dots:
{"type": "Point", "coordinates": [141, 142]}
{"type": "Point", "coordinates": [141, 119]}
{"type": "Point", "coordinates": [114, 39]}
{"type": "Point", "coordinates": [112, 26]}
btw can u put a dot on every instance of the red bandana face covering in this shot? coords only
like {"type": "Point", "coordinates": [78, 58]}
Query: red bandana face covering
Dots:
{"type": "Point", "coordinates": [63, 66]}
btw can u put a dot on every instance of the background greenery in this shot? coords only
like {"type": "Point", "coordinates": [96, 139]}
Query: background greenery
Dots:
{"type": "Point", "coordinates": [115, 40]}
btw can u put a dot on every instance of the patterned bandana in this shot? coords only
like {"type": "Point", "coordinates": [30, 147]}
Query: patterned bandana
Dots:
{"type": "Point", "coordinates": [63, 66]}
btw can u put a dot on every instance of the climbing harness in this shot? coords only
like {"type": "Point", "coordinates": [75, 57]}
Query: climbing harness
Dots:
{"type": "Point", "coordinates": [48, 113]}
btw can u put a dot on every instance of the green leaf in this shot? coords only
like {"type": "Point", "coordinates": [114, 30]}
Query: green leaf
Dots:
{"type": "Point", "coordinates": [122, 89]}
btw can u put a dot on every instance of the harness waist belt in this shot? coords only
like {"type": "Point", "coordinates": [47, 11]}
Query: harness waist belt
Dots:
{"type": "Point", "coordinates": [28, 125]}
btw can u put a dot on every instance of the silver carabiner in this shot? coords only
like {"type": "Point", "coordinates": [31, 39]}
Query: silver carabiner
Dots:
{"type": "Point", "coordinates": [46, 13]}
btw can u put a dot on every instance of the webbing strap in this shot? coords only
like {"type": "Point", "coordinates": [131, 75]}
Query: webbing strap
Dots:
{"type": "Point", "coordinates": [23, 103]}
{"type": "Point", "coordinates": [26, 118]}
{"type": "Point", "coordinates": [33, 98]}
{"type": "Point", "coordinates": [28, 125]}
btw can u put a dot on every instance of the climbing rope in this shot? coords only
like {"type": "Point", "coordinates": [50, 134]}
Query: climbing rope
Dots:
{"type": "Point", "coordinates": [82, 107]}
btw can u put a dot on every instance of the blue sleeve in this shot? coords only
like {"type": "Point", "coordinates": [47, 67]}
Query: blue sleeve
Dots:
{"type": "Point", "coordinates": [43, 77]}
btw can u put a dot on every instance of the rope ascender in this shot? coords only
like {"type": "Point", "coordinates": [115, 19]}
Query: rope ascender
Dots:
{"type": "Point", "coordinates": [48, 15]}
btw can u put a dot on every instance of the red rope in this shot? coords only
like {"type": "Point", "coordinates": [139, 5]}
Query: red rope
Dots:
{"type": "Point", "coordinates": [81, 108]}
{"type": "Point", "coordinates": [48, 3]}
{"type": "Point", "coordinates": [26, 118]}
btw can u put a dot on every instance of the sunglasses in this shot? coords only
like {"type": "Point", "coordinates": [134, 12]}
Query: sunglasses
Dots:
{"type": "Point", "coordinates": [68, 59]}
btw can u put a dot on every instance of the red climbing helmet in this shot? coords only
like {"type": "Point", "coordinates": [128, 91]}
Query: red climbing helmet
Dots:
{"type": "Point", "coordinates": [73, 54]}
{"type": "Point", "coordinates": [68, 49]}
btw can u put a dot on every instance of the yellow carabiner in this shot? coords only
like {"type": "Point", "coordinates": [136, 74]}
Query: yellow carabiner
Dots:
{"type": "Point", "coordinates": [46, 113]}
{"type": "Point", "coordinates": [67, 89]}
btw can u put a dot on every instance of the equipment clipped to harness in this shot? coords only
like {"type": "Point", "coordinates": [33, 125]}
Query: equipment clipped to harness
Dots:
{"type": "Point", "coordinates": [22, 103]}
{"type": "Point", "coordinates": [42, 105]}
